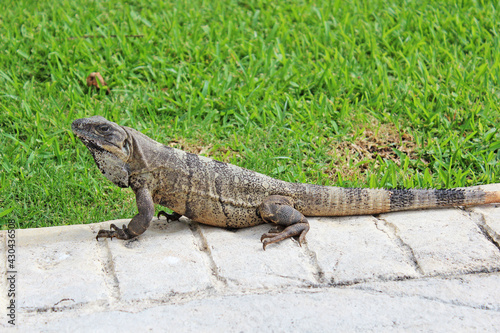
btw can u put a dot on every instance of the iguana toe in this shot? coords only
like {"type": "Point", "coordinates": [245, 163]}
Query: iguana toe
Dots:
{"type": "Point", "coordinates": [273, 236]}
{"type": "Point", "coordinates": [105, 234]}
{"type": "Point", "coordinates": [115, 232]}
{"type": "Point", "coordinates": [172, 217]}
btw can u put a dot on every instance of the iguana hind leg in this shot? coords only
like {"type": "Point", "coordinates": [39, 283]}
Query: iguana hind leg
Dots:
{"type": "Point", "coordinates": [280, 210]}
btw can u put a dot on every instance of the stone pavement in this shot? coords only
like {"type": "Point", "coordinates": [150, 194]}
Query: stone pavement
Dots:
{"type": "Point", "coordinates": [433, 270]}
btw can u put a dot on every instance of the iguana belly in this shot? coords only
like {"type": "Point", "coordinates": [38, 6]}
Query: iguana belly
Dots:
{"type": "Point", "coordinates": [208, 209]}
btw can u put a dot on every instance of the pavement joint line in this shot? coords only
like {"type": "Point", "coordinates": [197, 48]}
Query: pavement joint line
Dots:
{"type": "Point", "coordinates": [108, 266]}
{"type": "Point", "coordinates": [218, 280]}
{"type": "Point", "coordinates": [318, 273]}
{"type": "Point", "coordinates": [427, 298]}
{"type": "Point", "coordinates": [182, 298]}
{"type": "Point", "coordinates": [382, 279]}
{"type": "Point", "coordinates": [102, 304]}
{"type": "Point", "coordinates": [292, 278]}
{"type": "Point", "coordinates": [178, 298]}
{"type": "Point", "coordinates": [485, 229]}
{"type": "Point", "coordinates": [394, 236]}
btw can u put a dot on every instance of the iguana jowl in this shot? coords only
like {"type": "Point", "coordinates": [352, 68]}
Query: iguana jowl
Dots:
{"type": "Point", "coordinates": [225, 195]}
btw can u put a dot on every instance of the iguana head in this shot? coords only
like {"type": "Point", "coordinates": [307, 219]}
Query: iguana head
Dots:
{"type": "Point", "coordinates": [109, 144]}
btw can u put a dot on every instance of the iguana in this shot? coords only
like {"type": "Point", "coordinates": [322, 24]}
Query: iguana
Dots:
{"type": "Point", "coordinates": [224, 195]}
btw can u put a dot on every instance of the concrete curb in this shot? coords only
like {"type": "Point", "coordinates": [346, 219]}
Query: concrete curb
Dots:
{"type": "Point", "coordinates": [423, 270]}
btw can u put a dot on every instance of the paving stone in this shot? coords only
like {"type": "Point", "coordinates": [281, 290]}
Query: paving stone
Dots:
{"type": "Point", "coordinates": [350, 249]}
{"type": "Point", "coordinates": [478, 291]}
{"type": "Point", "coordinates": [58, 267]}
{"type": "Point", "coordinates": [241, 261]}
{"type": "Point", "coordinates": [489, 217]}
{"type": "Point", "coordinates": [489, 187]}
{"type": "Point", "coordinates": [445, 241]}
{"type": "Point", "coordinates": [164, 260]}
{"type": "Point", "coordinates": [331, 310]}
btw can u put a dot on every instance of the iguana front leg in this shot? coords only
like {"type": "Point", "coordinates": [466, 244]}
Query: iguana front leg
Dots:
{"type": "Point", "coordinates": [139, 223]}
{"type": "Point", "coordinates": [280, 210]}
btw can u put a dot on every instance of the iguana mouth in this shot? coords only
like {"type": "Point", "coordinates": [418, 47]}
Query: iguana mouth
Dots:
{"type": "Point", "coordinates": [109, 164]}
{"type": "Point", "coordinates": [90, 144]}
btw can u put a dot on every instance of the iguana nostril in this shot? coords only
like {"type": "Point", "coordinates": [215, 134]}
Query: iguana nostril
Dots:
{"type": "Point", "coordinates": [76, 124]}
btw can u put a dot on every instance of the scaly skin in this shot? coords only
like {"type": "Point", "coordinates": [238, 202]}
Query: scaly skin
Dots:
{"type": "Point", "coordinates": [225, 195]}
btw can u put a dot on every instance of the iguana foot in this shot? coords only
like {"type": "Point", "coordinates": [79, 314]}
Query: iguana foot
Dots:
{"type": "Point", "coordinates": [172, 217]}
{"type": "Point", "coordinates": [116, 232]}
{"type": "Point", "coordinates": [273, 236]}
{"type": "Point", "coordinates": [280, 210]}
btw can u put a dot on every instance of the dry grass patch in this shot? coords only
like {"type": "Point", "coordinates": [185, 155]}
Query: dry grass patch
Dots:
{"type": "Point", "coordinates": [351, 159]}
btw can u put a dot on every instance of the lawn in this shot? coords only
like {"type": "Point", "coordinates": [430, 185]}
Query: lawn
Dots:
{"type": "Point", "coordinates": [343, 93]}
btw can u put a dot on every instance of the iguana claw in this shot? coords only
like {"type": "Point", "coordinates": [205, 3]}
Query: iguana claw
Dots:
{"type": "Point", "coordinates": [116, 232]}
{"type": "Point", "coordinates": [274, 235]}
{"type": "Point", "coordinates": [172, 217]}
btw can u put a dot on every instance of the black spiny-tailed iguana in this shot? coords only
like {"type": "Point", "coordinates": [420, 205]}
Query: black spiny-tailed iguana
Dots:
{"type": "Point", "coordinates": [225, 195]}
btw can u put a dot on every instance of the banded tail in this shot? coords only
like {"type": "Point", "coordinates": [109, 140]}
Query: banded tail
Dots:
{"type": "Point", "coordinates": [337, 201]}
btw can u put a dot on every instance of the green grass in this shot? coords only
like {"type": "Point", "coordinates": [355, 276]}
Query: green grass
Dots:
{"type": "Point", "coordinates": [286, 88]}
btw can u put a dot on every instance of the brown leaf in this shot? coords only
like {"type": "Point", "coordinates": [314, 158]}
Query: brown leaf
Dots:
{"type": "Point", "coordinates": [96, 80]}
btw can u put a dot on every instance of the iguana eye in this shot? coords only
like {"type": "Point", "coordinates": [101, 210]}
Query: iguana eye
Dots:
{"type": "Point", "coordinates": [103, 128]}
